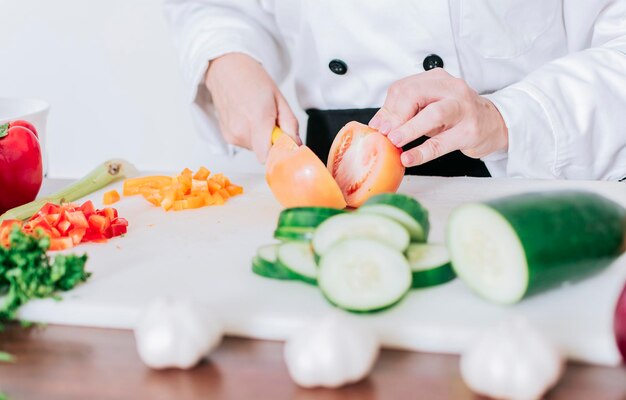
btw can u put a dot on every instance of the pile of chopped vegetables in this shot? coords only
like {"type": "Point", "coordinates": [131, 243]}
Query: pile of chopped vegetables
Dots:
{"type": "Point", "coordinates": [184, 191]}
{"type": "Point", "coordinates": [27, 272]}
{"type": "Point", "coordinates": [68, 225]}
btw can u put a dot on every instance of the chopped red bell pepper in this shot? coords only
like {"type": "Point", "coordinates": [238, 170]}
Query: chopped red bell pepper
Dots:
{"type": "Point", "coordinates": [69, 225]}
{"type": "Point", "coordinates": [21, 170]}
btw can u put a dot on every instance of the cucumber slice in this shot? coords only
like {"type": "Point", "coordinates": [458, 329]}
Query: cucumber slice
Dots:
{"type": "Point", "coordinates": [305, 217]}
{"type": "Point", "coordinates": [287, 234]}
{"type": "Point", "coordinates": [430, 264]}
{"type": "Point", "coordinates": [403, 209]}
{"type": "Point", "coordinates": [356, 225]}
{"type": "Point", "coordinates": [514, 247]}
{"type": "Point", "coordinates": [364, 275]}
{"type": "Point", "coordinates": [297, 257]}
{"type": "Point", "coordinates": [265, 264]}
{"type": "Point", "coordinates": [268, 253]}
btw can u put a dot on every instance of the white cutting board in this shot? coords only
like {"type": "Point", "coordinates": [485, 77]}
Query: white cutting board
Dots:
{"type": "Point", "coordinates": [206, 254]}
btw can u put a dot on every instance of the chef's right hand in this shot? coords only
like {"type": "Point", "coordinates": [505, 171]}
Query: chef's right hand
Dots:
{"type": "Point", "coordinates": [248, 103]}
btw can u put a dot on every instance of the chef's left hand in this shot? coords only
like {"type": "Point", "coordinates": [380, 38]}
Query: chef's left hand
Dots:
{"type": "Point", "coordinates": [446, 109]}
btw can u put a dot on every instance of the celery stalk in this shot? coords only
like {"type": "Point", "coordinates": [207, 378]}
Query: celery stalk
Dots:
{"type": "Point", "coordinates": [103, 175]}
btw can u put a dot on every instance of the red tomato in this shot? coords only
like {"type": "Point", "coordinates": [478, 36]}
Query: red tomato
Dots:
{"type": "Point", "coordinates": [364, 163]}
{"type": "Point", "coordinates": [21, 169]}
{"type": "Point", "coordinates": [298, 178]}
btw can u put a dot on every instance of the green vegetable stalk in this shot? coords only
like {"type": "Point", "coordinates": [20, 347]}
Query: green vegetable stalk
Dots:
{"type": "Point", "coordinates": [103, 175]}
{"type": "Point", "coordinates": [27, 272]}
{"type": "Point", "coordinates": [6, 357]}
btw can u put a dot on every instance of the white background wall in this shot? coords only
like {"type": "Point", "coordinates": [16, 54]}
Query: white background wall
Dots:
{"type": "Point", "coordinates": [110, 72]}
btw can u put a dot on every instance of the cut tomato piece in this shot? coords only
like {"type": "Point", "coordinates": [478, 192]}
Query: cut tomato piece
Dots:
{"type": "Point", "coordinates": [64, 226]}
{"type": "Point", "coordinates": [62, 243]}
{"type": "Point", "coordinates": [77, 219]}
{"type": "Point", "coordinates": [364, 163]}
{"type": "Point", "coordinates": [99, 223]}
{"type": "Point", "coordinates": [120, 221]}
{"type": "Point", "coordinates": [53, 219]}
{"type": "Point", "coordinates": [298, 178]}
{"type": "Point", "coordinates": [49, 208]}
{"type": "Point", "coordinates": [92, 236]}
{"type": "Point", "coordinates": [10, 223]}
{"type": "Point", "coordinates": [77, 235]}
{"type": "Point", "coordinates": [118, 230]}
{"type": "Point", "coordinates": [110, 213]}
{"type": "Point", "coordinates": [39, 222]}
{"type": "Point", "coordinates": [5, 230]}
{"type": "Point", "coordinates": [88, 208]}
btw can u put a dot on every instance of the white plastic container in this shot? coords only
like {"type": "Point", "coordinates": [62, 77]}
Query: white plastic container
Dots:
{"type": "Point", "coordinates": [32, 110]}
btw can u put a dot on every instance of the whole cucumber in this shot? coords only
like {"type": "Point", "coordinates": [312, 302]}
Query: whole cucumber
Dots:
{"type": "Point", "coordinates": [510, 248]}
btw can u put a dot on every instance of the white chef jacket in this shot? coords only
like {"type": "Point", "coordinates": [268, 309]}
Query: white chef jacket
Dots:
{"type": "Point", "coordinates": [556, 69]}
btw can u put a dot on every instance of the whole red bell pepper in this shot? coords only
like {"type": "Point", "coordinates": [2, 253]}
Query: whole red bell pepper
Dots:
{"type": "Point", "coordinates": [21, 170]}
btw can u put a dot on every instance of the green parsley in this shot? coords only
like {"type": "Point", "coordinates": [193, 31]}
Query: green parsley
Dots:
{"type": "Point", "coordinates": [27, 272]}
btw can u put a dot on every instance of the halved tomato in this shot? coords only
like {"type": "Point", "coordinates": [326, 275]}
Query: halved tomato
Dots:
{"type": "Point", "coordinates": [298, 178]}
{"type": "Point", "coordinates": [364, 163]}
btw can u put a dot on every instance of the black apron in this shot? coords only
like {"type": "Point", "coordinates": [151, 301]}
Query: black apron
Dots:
{"type": "Point", "coordinates": [322, 127]}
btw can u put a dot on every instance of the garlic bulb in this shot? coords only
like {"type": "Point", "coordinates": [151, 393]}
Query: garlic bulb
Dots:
{"type": "Point", "coordinates": [331, 352]}
{"type": "Point", "coordinates": [175, 334]}
{"type": "Point", "coordinates": [512, 361]}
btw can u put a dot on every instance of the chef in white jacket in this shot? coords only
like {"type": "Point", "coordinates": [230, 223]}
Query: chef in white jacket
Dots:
{"type": "Point", "coordinates": [521, 88]}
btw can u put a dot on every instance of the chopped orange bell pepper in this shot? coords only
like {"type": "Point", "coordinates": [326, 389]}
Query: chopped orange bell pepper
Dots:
{"type": "Point", "coordinates": [134, 186]}
{"type": "Point", "coordinates": [111, 197]}
{"type": "Point", "coordinates": [202, 174]}
{"type": "Point", "coordinates": [184, 191]}
{"type": "Point", "coordinates": [224, 193]}
{"type": "Point", "coordinates": [219, 200]}
{"type": "Point", "coordinates": [234, 190]}
{"type": "Point", "coordinates": [198, 186]}
{"type": "Point", "coordinates": [213, 186]}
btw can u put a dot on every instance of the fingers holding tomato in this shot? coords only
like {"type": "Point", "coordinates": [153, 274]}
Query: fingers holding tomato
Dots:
{"type": "Point", "coordinates": [444, 108]}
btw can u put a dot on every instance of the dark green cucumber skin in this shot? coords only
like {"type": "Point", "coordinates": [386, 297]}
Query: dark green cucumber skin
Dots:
{"type": "Point", "coordinates": [273, 271]}
{"type": "Point", "coordinates": [294, 234]}
{"type": "Point", "coordinates": [420, 214]}
{"type": "Point", "coordinates": [305, 217]}
{"type": "Point", "coordinates": [296, 276]}
{"type": "Point", "coordinates": [566, 235]}
{"type": "Point", "coordinates": [433, 277]}
{"type": "Point", "coordinates": [372, 311]}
